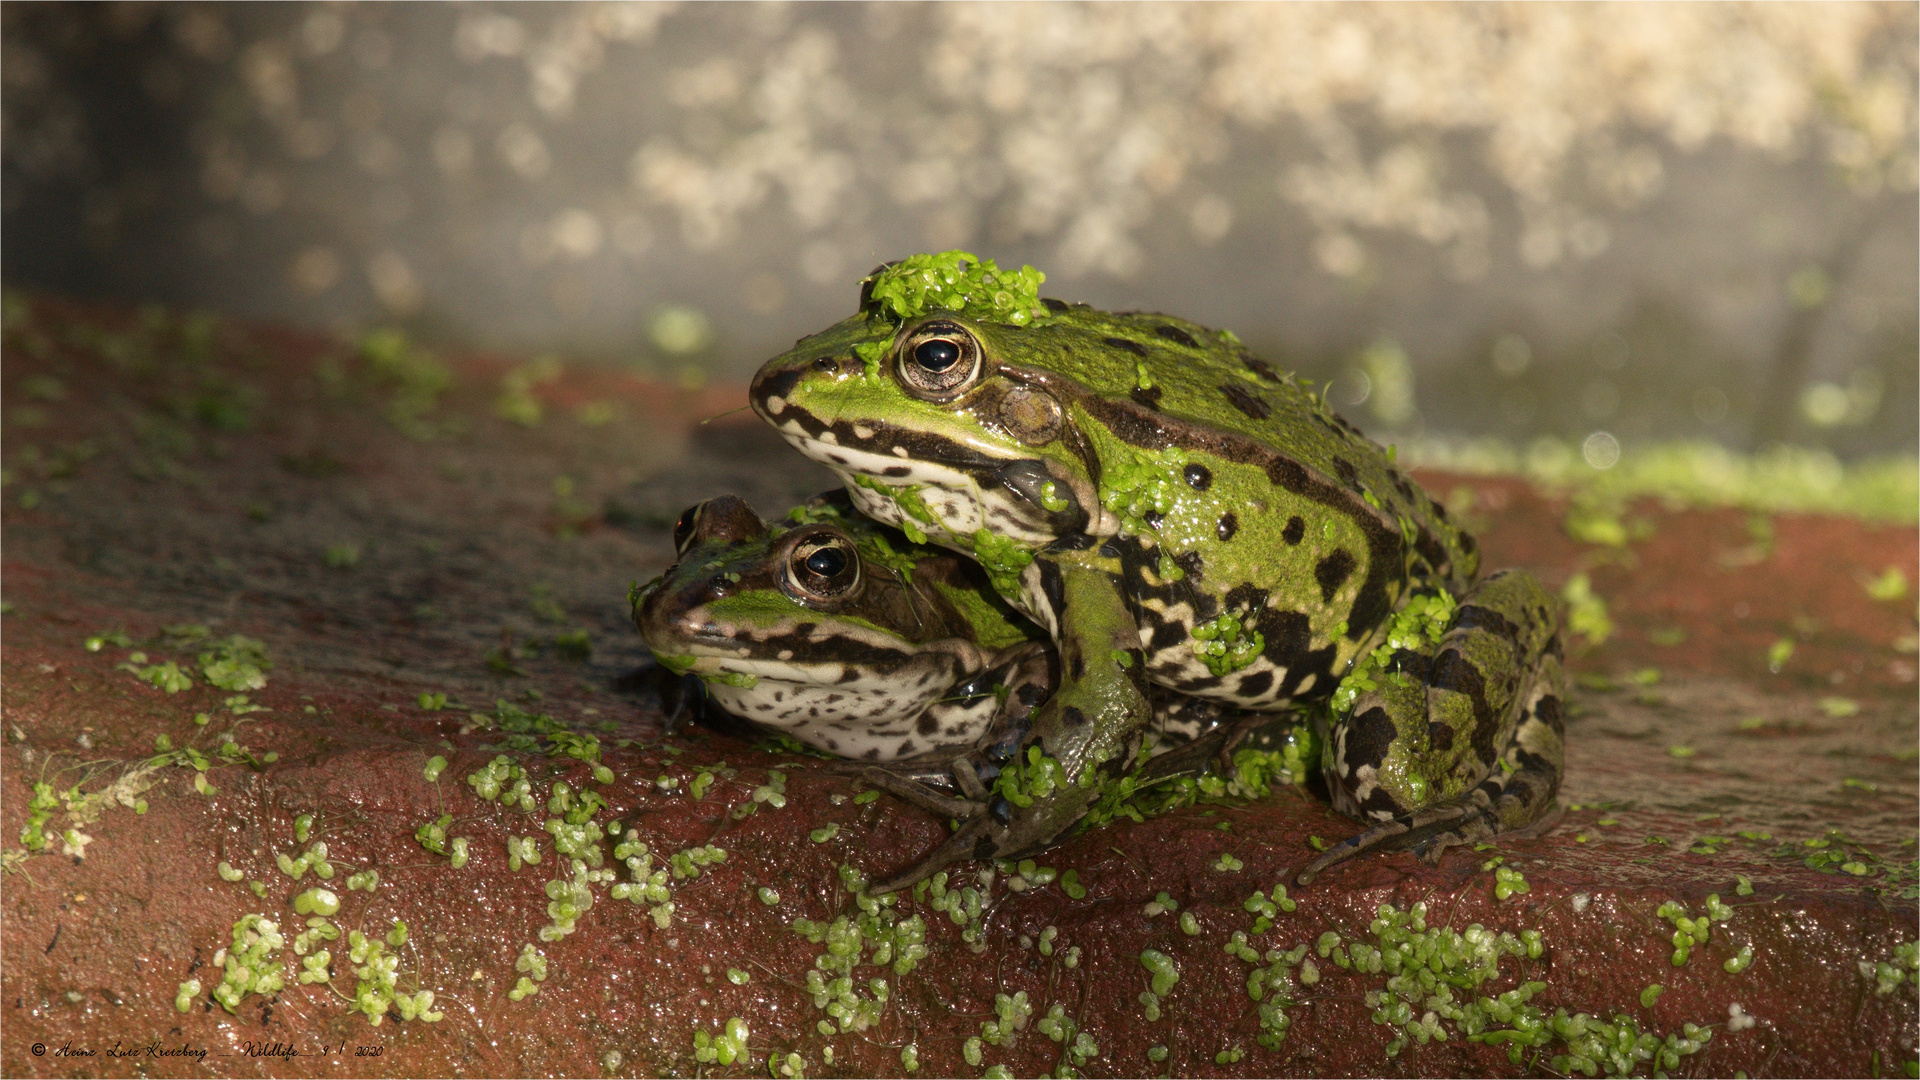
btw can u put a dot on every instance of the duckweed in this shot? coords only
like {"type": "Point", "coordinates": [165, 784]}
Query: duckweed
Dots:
{"type": "Point", "coordinates": [568, 899]}
{"type": "Point", "coordinates": [320, 902]}
{"type": "Point", "coordinates": [1903, 966]}
{"type": "Point", "coordinates": [1421, 622]}
{"type": "Point", "coordinates": [1509, 882]}
{"type": "Point", "coordinates": [435, 766]}
{"type": "Point", "coordinates": [302, 827]}
{"type": "Point", "coordinates": [725, 1048]}
{"type": "Point", "coordinates": [183, 1000]}
{"type": "Point", "coordinates": [377, 972]}
{"type": "Point", "coordinates": [910, 1057]}
{"type": "Point", "coordinates": [739, 977]}
{"type": "Point", "coordinates": [1011, 1013]}
{"type": "Point", "coordinates": [251, 964]}
{"type": "Point", "coordinates": [895, 942]}
{"type": "Point", "coordinates": [1070, 884]}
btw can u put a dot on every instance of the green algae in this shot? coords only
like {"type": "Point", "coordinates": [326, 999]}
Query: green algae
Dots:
{"type": "Point", "coordinates": [959, 283]}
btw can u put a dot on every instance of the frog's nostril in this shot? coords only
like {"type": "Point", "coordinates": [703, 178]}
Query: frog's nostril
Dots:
{"type": "Point", "coordinates": [827, 363]}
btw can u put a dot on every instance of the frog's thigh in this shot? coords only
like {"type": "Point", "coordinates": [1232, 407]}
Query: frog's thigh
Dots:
{"type": "Point", "coordinates": [1447, 713]}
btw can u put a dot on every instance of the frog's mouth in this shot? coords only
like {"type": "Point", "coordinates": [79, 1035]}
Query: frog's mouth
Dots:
{"type": "Point", "coordinates": [833, 693]}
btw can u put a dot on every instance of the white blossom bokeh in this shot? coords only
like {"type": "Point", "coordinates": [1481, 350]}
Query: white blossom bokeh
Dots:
{"type": "Point", "coordinates": [1686, 217]}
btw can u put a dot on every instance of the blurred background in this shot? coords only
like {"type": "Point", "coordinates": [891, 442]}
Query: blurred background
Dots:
{"type": "Point", "coordinates": [1536, 221]}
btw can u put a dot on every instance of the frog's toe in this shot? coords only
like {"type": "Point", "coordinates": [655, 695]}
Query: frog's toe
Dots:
{"type": "Point", "coordinates": [975, 839]}
{"type": "Point", "coordinates": [921, 795]}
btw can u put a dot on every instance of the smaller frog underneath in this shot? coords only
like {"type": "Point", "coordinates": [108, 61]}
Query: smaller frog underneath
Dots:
{"type": "Point", "coordinates": [1179, 514]}
{"type": "Point", "coordinates": [837, 632]}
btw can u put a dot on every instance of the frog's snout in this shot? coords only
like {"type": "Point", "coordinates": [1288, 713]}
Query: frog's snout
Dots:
{"type": "Point", "coordinates": [772, 387]}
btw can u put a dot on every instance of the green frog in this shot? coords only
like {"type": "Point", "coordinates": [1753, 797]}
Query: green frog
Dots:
{"type": "Point", "coordinates": [836, 632]}
{"type": "Point", "coordinates": [845, 636]}
{"type": "Point", "coordinates": [1177, 513]}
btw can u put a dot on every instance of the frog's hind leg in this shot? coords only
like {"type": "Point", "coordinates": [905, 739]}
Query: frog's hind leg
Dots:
{"type": "Point", "coordinates": [1517, 797]}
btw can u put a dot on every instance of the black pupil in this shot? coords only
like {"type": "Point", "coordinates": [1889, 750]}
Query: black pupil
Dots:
{"type": "Point", "coordinates": [827, 562]}
{"type": "Point", "coordinates": [936, 355]}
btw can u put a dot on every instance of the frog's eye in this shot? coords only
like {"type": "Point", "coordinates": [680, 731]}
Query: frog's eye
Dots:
{"type": "Point", "coordinates": [939, 359]}
{"type": "Point", "coordinates": [683, 529]}
{"type": "Point", "coordinates": [822, 566]}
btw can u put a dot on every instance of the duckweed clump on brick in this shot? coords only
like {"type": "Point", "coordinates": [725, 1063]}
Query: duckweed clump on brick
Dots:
{"type": "Point", "coordinates": [532, 965]}
{"type": "Point", "coordinates": [1902, 967]}
{"type": "Point", "coordinates": [1011, 1013]}
{"type": "Point", "coordinates": [876, 936]}
{"type": "Point", "coordinates": [377, 970]}
{"type": "Point", "coordinates": [1077, 1046]}
{"type": "Point", "coordinates": [251, 964]}
{"type": "Point", "coordinates": [963, 905]}
{"type": "Point", "coordinates": [1688, 932]}
{"type": "Point", "coordinates": [522, 851]}
{"type": "Point", "coordinates": [725, 1048]}
{"type": "Point", "coordinates": [503, 781]}
{"type": "Point", "coordinates": [645, 884]}
{"type": "Point", "coordinates": [1163, 974]}
{"type": "Point", "coordinates": [318, 930]}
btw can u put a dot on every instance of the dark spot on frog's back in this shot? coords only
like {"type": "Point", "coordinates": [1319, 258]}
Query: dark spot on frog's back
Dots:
{"type": "Point", "coordinates": [1177, 335]}
{"type": "Point", "coordinates": [1295, 531]}
{"type": "Point", "coordinates": [1332, 572]}
{"type": "Point", "coordinates": [1348, 474]}
{"type": "Point", "coordinates": [1198, 477]}
{"type": "Point", "coordinates": [1073, 717]}
{"type": "Point", "coordinates": [1368, 738]}
{"type": "Point", "coordinates": [1258, 367]}
{"type": "Point", "coordinates": [1253, 405]}
{"type": "Point", "coordinates": [1056, 306]}
{"type": "Point", "coordinates": [1133, 347]}
{"type": "Point", "coordinates": [1228, 526]}
{"type": "Point", "coordinates": [1148, 396]}
{"type": "Point", "coordinates": [1548, 710]}
{"type": "Point", "coordinates": [1252, 686]}
{"type": "Point", "coordinates": [1287, 473]}
{"type": "Point", "coordinates": [1474, 616]}
{"type": "Point", "coordinates": [1440, 737]}
{"type": "Point", "coordinates": [927, 724]}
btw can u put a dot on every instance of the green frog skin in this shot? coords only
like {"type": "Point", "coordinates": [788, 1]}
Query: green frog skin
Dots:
{"type": "Point", "coordinates": [1177, 513]}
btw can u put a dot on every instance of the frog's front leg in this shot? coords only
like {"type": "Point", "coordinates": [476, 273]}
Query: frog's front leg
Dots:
{"type": "Point", "coordinates": [1093, 722]}
{"type": "Point", "coordinates": [1459, 740]}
